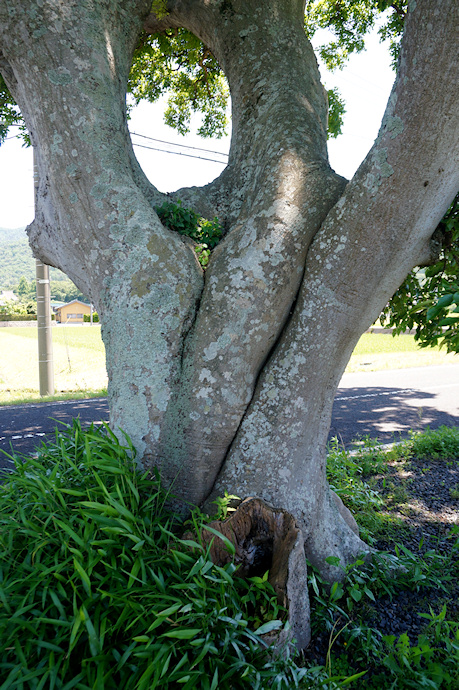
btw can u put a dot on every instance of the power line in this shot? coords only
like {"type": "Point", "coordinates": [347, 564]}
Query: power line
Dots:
{"type": "Point", "coordinates": [180, 153]}
{"type": "Point", "coordinates": [169, 143]}
{"type": "Point", "coordinates": [367, 82]}
{"type": "Point", "coordinates": [184, 146]}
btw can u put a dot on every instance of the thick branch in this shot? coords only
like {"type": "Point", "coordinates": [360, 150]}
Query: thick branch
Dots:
{"type": "Point", "coordinates": [277, 190]}
{"type": "Point", "coordinates": [95, 217]}
{"type": "Point", "coordinates": [369, 242]}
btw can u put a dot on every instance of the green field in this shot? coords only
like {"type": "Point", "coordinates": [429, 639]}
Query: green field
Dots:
{"type": "Point", "coordinates": [79, 363]}
{"type": "Point", "coordinates": [377, 351]}
{"type": "Point", "coordinates": [79, 360]}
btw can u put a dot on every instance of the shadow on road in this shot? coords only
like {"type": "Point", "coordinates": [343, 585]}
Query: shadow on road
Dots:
{"type": "Point", "coordinates": [383, 413]}
{"type": "Point", "coordinates": [24, 427]}
{"type": "Point", "coordinates": [387, 414]}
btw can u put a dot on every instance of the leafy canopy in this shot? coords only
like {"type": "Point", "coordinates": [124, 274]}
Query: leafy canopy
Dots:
{"type": "Point", "coordinates": [349, 21]}
{"type": "Point", "coordinates": [176, 64]}
{"type": "Point", "coordinates": [428, 300]}
{"type": "Point", "coordinates": [9, 112]}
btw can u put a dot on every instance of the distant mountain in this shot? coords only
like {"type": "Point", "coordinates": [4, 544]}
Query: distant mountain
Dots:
{"type": "Point", "coordinates": [12, 234]}
{"type": "Point", "coordinates": [16, 259]}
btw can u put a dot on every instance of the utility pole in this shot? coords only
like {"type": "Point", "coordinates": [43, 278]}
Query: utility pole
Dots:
{"type": "Point", "coordinates": [45, 343]}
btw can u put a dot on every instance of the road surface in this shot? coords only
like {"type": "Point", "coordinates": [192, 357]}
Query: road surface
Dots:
{"type": "Point", "coordinates": [384, 404]}
{"type": "Point", "coordinates": [388, 404]}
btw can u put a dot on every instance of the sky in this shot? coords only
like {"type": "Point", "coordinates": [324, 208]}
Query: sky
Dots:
{"type": "Point", "coordinates": [365, 85]}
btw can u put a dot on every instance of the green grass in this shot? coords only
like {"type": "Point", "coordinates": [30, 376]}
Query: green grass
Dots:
{"type": "Point", "coordinates": [79, 364]}
{"type": "Point", "coordinates": [98, 590]}
{"type": "Point", "coordinates": [378, 351]}
{"type": "Point", "coordinates": [79, 361]}
{"type": "Point", "coordinates": [87, 337]}
{"type": "Point", "coordinates": [26, 396]}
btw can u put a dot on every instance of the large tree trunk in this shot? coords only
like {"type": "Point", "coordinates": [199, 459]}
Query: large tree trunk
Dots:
{"type": "Point", "coordinates": [226, 381]}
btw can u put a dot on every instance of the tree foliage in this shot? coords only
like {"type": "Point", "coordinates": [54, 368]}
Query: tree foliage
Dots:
{"type": "Point", "coordinates": [349, 21]}
{"type": "Point", "coordinates": [16, 260]}
{"type": "Point", "coordinates": [21, 307]}
{"type": "Point", "coordinates": [9, 112]}
{"type": "Point", "coordinates": [177, 65]}
{"type": "Point", "coordinates": [428, 300]}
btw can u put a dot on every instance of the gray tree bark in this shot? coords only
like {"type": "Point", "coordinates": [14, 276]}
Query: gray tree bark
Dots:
{"type": "Point", "coordinates": [226, 381]}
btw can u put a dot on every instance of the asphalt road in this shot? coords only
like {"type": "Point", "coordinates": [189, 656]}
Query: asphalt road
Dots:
{"type": "Point", "coordinates": [385, 405]}
{"type": "Point", "coordinates": [388, 404]}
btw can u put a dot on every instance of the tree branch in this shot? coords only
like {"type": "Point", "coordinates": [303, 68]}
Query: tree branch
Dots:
{"type": "Point", "coordinates": [398, 10]}
{"type": "Point", "coordinates": [275, 193]}
{"type": "Point", "coordinates": [369, 242]}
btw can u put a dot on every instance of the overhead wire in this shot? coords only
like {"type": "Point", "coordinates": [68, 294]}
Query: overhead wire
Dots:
{"type": "Point", "coordinates": [179, 153]}
{"type": "Point", "coordinates": [184, 146]}
{"type": "Point", "coordinates": [169, 143]}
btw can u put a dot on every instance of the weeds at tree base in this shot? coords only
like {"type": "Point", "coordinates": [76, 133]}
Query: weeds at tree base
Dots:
{"type": "Point", "coordinates": [98, 590]}
{"type": "Point", "coordinates": [430, 659]}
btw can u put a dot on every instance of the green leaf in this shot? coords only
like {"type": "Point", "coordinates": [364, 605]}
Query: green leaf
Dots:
{"type": "Point", "coordinates": [229, 545]}
{"type": "Point", "coordinates": [268, 627]}
{"type": "Point", "coordinates": [356, 594]}
{"type": "Point", "coordinates": [72, 492]}
{"type": "Point", "coordinates": [350, 679]}
{"type": "Point", "coordinates": [214, 684]}
{"type": "Point", "coordinates": [169, 611]}
{"type": "Point", "coordinates": [197, 567]}
{"type": "Point", "coordinates": [76, 626]}
{"type": "Point", "coordinates": [445, 301]}
{"type": "Point", "coordinates": [139, 545]}
{"type": "Point", "coordinates": [336, 591]}
{"type": "Point", "coordinates": [101, 507]}
{"type": "Point", "coordinates": [84, 576]}
{"type": "Point", "coordinates": [68, 530]}
{"type": "Point", "coordinates": [369, 594]}
{"type": "Point", "coordinates": [333, 560]}
{"type": "Point", "coordinates": [134, 572]}
{"type": "Point", "coordinates": [183, 633]}
{"type": "Point", "coordinates": [449, 321]}
{"type": "Point", "coordinates": [433, 312]}
{"type": "Point", "coordinates": [94, 642]}
{"type": "Point", "coordinates": [434, 270]}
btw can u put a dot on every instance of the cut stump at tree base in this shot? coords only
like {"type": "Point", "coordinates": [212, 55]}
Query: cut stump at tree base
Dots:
{"type": "Point", "coordinates": [268, 539]}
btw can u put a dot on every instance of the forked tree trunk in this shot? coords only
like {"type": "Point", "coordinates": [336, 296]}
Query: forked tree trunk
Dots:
{"type": "Point", "coordinates": [226, 381]}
